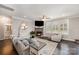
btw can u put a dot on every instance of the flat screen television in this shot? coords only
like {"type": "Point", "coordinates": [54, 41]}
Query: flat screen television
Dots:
{"type": "Point", "coordinates": [39, 23]}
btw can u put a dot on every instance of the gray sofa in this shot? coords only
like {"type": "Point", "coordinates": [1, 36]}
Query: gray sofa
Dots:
{"type": "Point", "coordinates": [21, 45]}
{"type": "Point", "coordinates": [56, 37]}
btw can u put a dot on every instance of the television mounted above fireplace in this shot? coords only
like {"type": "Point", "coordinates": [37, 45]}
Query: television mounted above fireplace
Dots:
{"type": "Point", "coordinates": [39, 23]}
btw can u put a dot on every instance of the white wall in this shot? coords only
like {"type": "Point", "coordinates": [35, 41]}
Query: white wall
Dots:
{"type": "Point", "coordinates": [4, 21]}
{"type": "Point", "coordinates": [4, 12]}
{"type": "Point", "coordinates": [49, 25]}
{"type": "Point", "coordinates": [74, 28]}
{"type": "Point", "coordinates": [72, 32]}
{"type": "Point", "coordinates": [25, 33]}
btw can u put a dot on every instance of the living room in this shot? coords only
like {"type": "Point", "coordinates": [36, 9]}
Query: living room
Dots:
{"type": "Point", "coordinates": [31, 29]}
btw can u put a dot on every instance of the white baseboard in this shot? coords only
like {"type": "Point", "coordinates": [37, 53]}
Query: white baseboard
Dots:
{"type": "Point", "coordinates": [70, 40]}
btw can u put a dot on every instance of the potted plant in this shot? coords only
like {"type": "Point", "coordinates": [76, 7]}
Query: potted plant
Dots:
{"type": "Point", "coordinates": [32, 34]}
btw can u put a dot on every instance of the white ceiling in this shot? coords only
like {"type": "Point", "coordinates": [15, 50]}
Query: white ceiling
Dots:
{"type": "Point", "coordinates": [50, 10]}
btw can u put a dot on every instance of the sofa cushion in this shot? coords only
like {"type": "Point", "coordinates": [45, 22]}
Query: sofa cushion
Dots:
{"type": "Point", "coordinates": [35, 42]}
{"type": "Point", "coordinates": [41, 45]}
{"type": "Point", "coordinates": [25, 42]}
{"type": "Point", "coordinates": [56, 37]}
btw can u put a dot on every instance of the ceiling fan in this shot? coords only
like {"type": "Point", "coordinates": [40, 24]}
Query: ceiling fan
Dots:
{"type": "Point", "coordinates": [44, 17]}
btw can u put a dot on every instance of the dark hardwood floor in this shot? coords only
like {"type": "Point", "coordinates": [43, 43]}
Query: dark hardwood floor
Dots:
{"type": "Point", "coordinates": [7, 48]}
{"type": "Point", "coordinates": [63, 48]}
{"type": "Point", "coordinates": [67, 48]}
